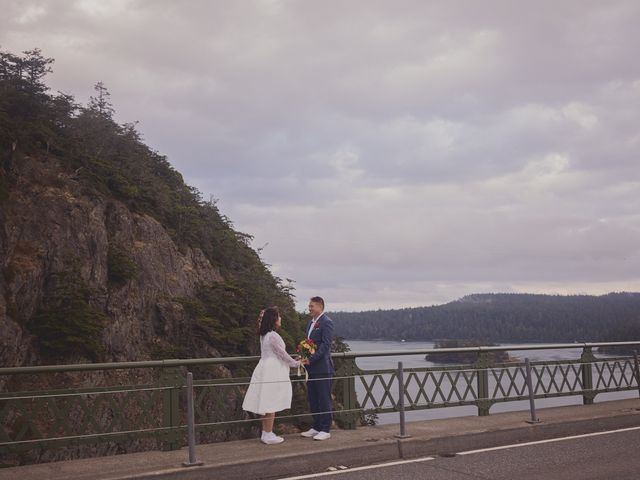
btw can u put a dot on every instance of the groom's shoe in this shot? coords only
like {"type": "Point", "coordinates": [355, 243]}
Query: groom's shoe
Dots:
{"type": "Point", "coordinates": [322, 436]}
{"type": "Point", "coordinates": [311, 433]}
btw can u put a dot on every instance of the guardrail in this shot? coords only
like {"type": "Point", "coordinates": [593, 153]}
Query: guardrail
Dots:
{"type": "Point", "coordinates": [104, 407]}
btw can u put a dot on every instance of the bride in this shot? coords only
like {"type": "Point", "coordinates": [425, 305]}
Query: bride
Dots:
{"type": "Point", "coordinates": [270, 387]}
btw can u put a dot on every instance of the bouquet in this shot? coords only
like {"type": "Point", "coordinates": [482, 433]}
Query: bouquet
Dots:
{"type": "Point", "coordinates": [305, 349]}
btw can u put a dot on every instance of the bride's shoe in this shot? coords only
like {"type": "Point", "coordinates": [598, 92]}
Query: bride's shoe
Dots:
{"type": "Point", "coordinates": [270, 438]}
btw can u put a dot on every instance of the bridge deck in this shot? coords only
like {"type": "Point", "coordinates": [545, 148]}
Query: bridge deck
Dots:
{"type": "Point", "coordinates": [249, 459]}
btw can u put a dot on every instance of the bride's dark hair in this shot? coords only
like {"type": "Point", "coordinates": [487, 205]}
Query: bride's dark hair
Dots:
{"type": "Point", "coordinates": [267, 320]}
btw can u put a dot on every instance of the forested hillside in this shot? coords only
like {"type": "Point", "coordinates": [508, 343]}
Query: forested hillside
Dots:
{"type": "Point", "coordinates": [504, 318]}
{"type": "Point", "coordinates": [106, 254]}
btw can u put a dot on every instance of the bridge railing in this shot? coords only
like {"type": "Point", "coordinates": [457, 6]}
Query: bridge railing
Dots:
{"type": "Point", "coordinates": [114, 407]}
{"type": "Point", "coordinates": [485, 383]}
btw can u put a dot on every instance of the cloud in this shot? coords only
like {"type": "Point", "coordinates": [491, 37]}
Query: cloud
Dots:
{"type": "Point", "coordinates": [386, 153]}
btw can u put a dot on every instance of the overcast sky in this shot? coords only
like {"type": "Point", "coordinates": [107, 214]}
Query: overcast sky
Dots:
{"type": "Point", "coordinates": [383, 153]}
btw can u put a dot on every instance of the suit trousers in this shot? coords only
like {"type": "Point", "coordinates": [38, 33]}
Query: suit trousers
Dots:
{"type": "Point", "coordinates": [319, 396]}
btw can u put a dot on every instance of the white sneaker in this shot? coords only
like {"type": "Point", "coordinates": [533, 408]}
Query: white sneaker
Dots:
{"type": "Point", "coordinates": [322, 436]}
{"type": "Point", "coordinates": [270, 438]}
{"type": "Point", "coordinates": [310, 433]}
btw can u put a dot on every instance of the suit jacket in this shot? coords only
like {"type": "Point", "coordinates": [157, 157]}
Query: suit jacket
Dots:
{"type": "Point", "coordinates": [322, 335]}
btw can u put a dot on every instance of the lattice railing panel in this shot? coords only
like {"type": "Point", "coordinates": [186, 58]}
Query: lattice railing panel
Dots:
{"type": "Point", "coordinates": [378, 389]}
{"type": "Point", "coordinates": [615, 374]}
{"type": "Point", "coordinates": [421, 388]}
{"type": "Point", "coordinates": [508, 382]}
{"type": "Point", "coordinates": [549, 379]}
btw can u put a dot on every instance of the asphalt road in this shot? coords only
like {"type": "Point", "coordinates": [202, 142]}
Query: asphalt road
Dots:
{"type": "Point", "coordinates": [610, 456]}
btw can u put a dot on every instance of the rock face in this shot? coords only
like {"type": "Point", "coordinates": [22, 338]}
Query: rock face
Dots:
{"type": "Point", "coordinates": [49, 226]}
{"type": "Point", "coordinates": [106, 255]}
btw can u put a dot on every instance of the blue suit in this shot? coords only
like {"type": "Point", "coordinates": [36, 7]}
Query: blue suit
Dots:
{"type": "Point", "coordinates": [320, 370]}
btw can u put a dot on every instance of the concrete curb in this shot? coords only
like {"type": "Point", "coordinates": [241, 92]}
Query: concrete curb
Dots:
{"type": "Point", "coordinates": [389, 449]}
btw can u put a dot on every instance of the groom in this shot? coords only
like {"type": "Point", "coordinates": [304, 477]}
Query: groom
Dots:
{"type": "Point", "coordinates": [320, 369]}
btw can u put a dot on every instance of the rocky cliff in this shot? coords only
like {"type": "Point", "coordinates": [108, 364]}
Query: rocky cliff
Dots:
{"type": "Point", "coordinates": [51, 227]}
{"type": "Point", "coordinates": [64, 298]}
{"type": "Point", "coordinates": [106, 255]}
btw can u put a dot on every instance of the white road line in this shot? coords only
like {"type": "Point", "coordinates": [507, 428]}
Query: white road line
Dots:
{"type": "Point", "coordinates": [516, 445]}
{"type": "Point", "coordinates": [357, 469]}
{"type": "Point", "coordinates": [469, 452]}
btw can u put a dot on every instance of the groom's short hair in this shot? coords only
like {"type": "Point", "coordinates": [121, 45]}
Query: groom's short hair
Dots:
{"type": "Point", "coordinates": [318, 300]}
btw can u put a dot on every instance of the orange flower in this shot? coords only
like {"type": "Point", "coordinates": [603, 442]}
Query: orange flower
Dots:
{"type": "Point", "coordinates": [306, 348]}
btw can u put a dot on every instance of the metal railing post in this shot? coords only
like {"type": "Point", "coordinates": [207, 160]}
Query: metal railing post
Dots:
{"type": "Point", "coordinates": [170, 377]}
{"type": "Point", "coordinates": [637, 368]}
{"type": "Point", "coordinates": [483, 402]}
{"type": "Point", "coordinates": [532, 402]}
{"type": "Point", "coordinates": [400, 376]}
{"type": "Point", "coordinates": [587, 376]}
{"type": "Point", "coordinates": [348, 370]}
{"type": "Point", "coordinates": [191, 428]}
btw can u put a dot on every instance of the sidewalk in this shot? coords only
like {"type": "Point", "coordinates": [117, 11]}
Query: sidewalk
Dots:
{"type": "Point", "coordinates": [249, 459]}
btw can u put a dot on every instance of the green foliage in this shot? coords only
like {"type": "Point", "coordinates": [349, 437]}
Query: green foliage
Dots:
{"type": "Point", "coordinates": [626, 332]}
{"type": "Point", "coordinates": [120, 186]}
{"type": "Point", "coordinates": [164, 352]}
{"type": "Point", "coordinates": [27, 118]}
{"type": "Point", "coordinates": [502, 318]}
{"type": "Point", "coordinates": [224, 317]}
{"type": "Point", "coordinates": [100, 104]}
{"type": "Point", "coordinates": [67, 323]}
{"type": "Point", "coordinates": [120, 267]}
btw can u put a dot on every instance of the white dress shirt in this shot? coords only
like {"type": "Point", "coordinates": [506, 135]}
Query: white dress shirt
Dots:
{"type": "Point", "coordinates": [313, 324]}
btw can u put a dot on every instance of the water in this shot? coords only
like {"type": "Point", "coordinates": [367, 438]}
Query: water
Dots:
{"type": "Point", "coordinates": [417, 361]}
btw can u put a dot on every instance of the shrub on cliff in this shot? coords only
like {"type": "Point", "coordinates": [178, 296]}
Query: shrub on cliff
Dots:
{"type": "Point", "coordinates": [67, 323]}
{"type": "Point", "coordinates": [120, 266]}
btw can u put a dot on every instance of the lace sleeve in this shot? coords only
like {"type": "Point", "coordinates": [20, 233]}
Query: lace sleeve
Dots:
{"type": "Point", "coordinates": [277, 346]}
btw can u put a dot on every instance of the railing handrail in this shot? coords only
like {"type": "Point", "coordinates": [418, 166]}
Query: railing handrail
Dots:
{"type": "Point", "coordinates": [124, 365]}
{"type": "Point", "coordinates": [497, 348]}
{"type": "Point", "coordinates": [226, 360]}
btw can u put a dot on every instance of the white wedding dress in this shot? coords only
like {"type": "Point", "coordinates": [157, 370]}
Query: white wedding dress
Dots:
{"type": "Point", "coordinates": [270, 387]}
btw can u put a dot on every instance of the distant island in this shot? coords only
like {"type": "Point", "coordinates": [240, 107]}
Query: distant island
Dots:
{"type": "Point", "coordinates": [503, 318]}
{"type": "Point", "coordinates": [465, 357]}
{"type": "Point", "coordinates": [627, 350]}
